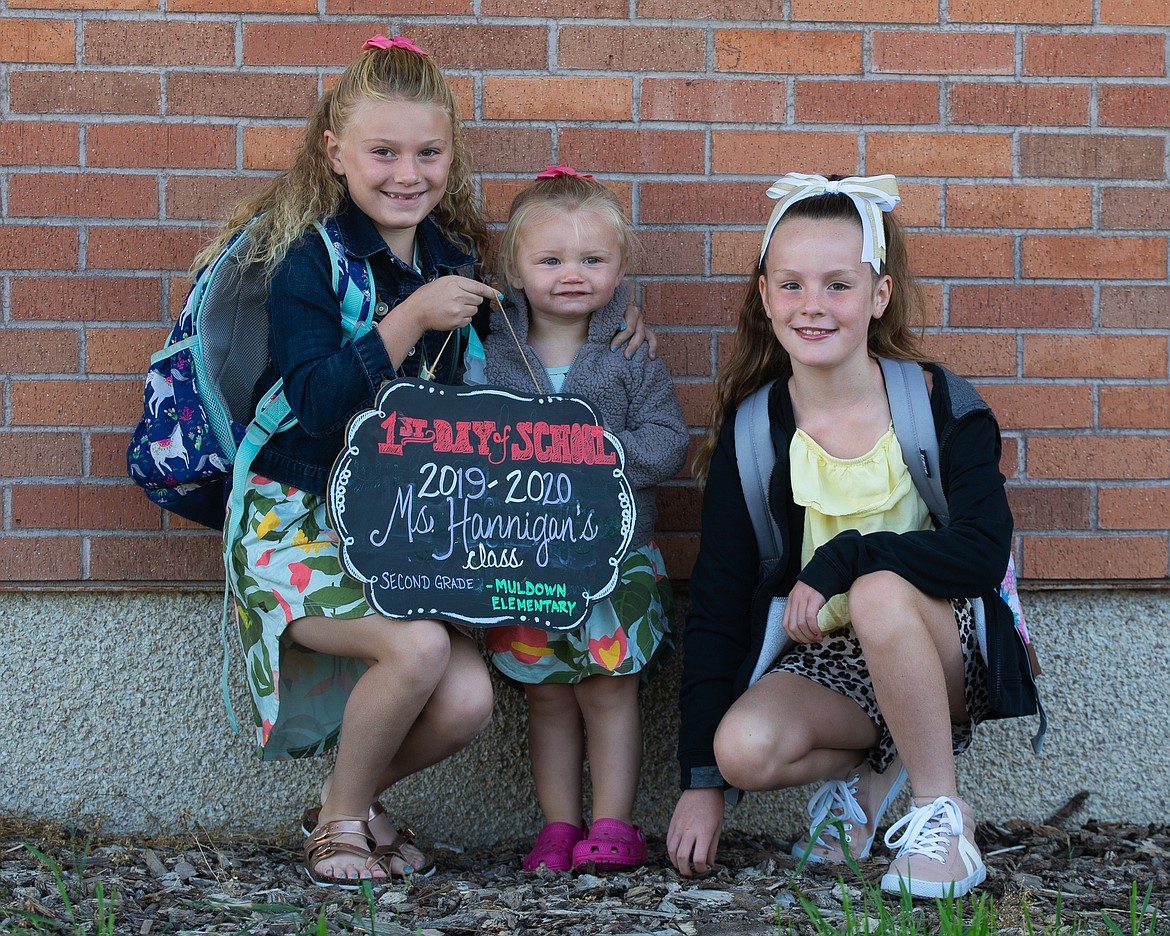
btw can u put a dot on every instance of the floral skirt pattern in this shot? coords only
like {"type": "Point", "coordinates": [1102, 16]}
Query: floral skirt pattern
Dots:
{"type": "Point", "coordinates": [621, 635]}
{"type": "Point", "coordinates": [286, 567]}
{"type": "Point", "coordinates": [837, 663]}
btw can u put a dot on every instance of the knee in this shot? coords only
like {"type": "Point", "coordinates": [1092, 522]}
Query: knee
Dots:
{"type": "Point", "coordinates": [420, 650]}
{"type": "Point", "coordinates": [746, 751]}
{"type": "Point", "coordinates": [881, 605]}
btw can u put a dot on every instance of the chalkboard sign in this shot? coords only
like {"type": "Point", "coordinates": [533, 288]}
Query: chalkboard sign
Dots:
{"type": "Point", "coordinates": [481, 505]}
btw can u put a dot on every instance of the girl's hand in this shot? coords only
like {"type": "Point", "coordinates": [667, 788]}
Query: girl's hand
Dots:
{"type": "Point", "coordinates": [800, 613]}
{"type": "Point", "coordinates": [633, 333]}
{"type": "Point", "coordinates": [444, 304]}
{"type": "Point", "coordinates": [693, 837]}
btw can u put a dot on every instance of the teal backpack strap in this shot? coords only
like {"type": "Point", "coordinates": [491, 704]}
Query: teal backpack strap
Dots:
{"type": "Point", "coordinates": [354, 287]}
{"type": "Point", "coordinates": [914, 427]}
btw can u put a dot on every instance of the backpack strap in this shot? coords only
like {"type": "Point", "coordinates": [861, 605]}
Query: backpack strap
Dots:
{"type": "Point", "coordinates": [756, 458]}
{"type": "Point", "coordinates": [354, 287]}
{"type": "Point", "coordinates": [914, 427]}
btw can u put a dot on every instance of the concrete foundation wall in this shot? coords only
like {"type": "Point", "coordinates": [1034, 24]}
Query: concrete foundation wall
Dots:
{"type": "Point", "coordinates": [110, 707]}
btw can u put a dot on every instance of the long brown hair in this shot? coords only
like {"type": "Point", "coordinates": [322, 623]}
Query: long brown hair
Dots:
{"type": "Point", "coordinates": [310, 189]}
{"type": "Point", "coordinates": [757, 355]}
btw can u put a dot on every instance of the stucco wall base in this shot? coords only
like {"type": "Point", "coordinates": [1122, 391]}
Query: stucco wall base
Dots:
{"type": "Point", "coordinates": [110, 708]}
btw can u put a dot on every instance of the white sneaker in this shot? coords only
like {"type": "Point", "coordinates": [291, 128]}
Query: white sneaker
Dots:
{"type": "Point", "coordinates": [935, 857]}
{"type": "Point", "coordinates": [858, 803]}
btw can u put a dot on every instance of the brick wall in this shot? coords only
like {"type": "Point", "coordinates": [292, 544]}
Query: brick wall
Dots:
{"type": "Point", "coordinates": [1030, 138]}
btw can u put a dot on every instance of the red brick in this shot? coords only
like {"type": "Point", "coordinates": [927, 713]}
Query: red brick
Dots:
{"type": "Point", "coordinates": [1075, 257]}
{"type": "Point", "coordinates": [1016, 103]}
{"type": "Point", "coordinates": [787, 51]}
{"type": "Point", "coordinates": [693, 303]}
{"type": "Point", "coordinates": [271, 147]}
{"type": "Point", "coordinates": [1095, 55]}
{"type": "Point", "coordinates": [557, 98]}
{"type": "Point", "coordinates": [966, 255]}
{"type": "Point", "coordinates": [974, 354]}
{"type": "Point", "coordinates": [76, 402]}
{"type": "Point", "coordinates": [679, 507]}
{"type": "Point", "coordinates": [867, 102]}
{"type": "Point", "coordinates": [704, 202]}
{"type": "Point", "coordinates": [152, 248]}
{"type": "Point", "coordinates": [748, 10]}
{"type": "Point", "coordinates": [198, 198]}
{"type": "Point", "coordinates": [1091, 457]}
{"type": "Point", "coordinates": [1088, 558]}
{"type": "Point", "coordinates": [1135, 209]}
{"type": "Point", "coordinates": [671, 253]}
{"type": "Point", "coordinates": [476, 45]}
{"type": "Point", "coordinates": [40, 454]}
{"type": "Point", "coordinates": [1134, 407]}
{"type": "Point", "coordinates": [696, 402]}
{"type": "Point", "coordinates": [672, 151]}
{"type": "Point", "coordinates": [750, 152]}
{"type": "Point", "coordinates": [37, 247]}
{"type": "Point", "coordinates": [1133, 105]}
{"type": "Point", "coordinates": [84, 194]}
{"type": "Point", "coordinates": [244, 6]}
{"type": "Point", "coordinates": [625, 48]}
{"type": "Point", "coordinates": [1043, 406]}
{"type": "Point", "coordinates": [932, 53]}
{"type": "Point", "coordinates": [127, 42]}
{"type": "Point", "coordinates": [687, 354]}
{"type": "Point", "coordinates": [378, 8]}
{"type": "Point", "coordinates": [1049, 508]}
{"type": "Point", "coordinates": [107, 450]}
{"type": "Point", "coordinates": [121, 350]}
{"type": "Point", "coordinates": [728, 100]}
{"type": "Point", "coordinates": [1132, 12]}
{"type": "Point", "coordinates": [939, 154]}
{"type": "Point", "coordinates": [162, 146]}
{"type": "Point", "coordinates": [510, 149]}
{"type": "Point", "coordinates": [177, 557]}
{"type": "Point", "coordinates": [1133, 507]}
{"type": "Point", "coordinates": [1094, 356]}
{"type": "Point", "coordinates": [561, 9]}
{"type": "Point", "coordinates": [86, 298]}
{"type": "Point", "coordinates": [893, 11]}
{"type": "Point", "coordinates": [82, 92]}
{"type": "Point", "coordinates": [735, 252]}
{"type": "Point", "coordinates": [245, 95]}
{"type": "Point", "coordinates": [496, 196]}
{"type": "Point", "coordinates": [1005, 306]}
{"type": "Point", "coordinates": [78, 507]}
{"type": "Point", "coordinates": [1012, 11]}
{"type": "Point", "coordinates": [1135, 306]}
{"type": "Point", "coordinates": [38, 350]}
{"type": "Point", "coordinates": [1019, 206]}
{"type": "Point", "coordinates": [83, 5]}
{"type": "Point", "coordinates": [679, 552]}
{"type": "Point", "coordinates": [40, 559]}
{"type": "Point", "coordinates": [1091, 156]}
{"type": "Point", "coordinates": [37, 40]}
{"type": "Point", "coordinates": [38, 143]}
{"type": "Point", "coordinates": [1009, 458]}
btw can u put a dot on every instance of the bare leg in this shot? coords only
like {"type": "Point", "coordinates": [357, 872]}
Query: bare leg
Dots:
{"type": "Point", "coordinates": [556, 745]}
{"type": "Point", "coordinates": [613, 729]}
{"type": "Point", "coordinates": [911, 646]}
{"type": "Point", "coordinates": [787, 730]}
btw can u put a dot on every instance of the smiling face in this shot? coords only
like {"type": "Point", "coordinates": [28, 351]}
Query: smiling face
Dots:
{"type": "Point", "coordinates": [818, 294]}
{"type": "Point", "coordinates": [569, 264]}
{"type": "Point", "coordinates": [395, 157]}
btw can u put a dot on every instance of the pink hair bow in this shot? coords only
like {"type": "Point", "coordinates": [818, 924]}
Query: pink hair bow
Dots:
{"type": "Point", "coordinates": [398, 42]}
{"type": "Point", "coordinates": [562, 172]}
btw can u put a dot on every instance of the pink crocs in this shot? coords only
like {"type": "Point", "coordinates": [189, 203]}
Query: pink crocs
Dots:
{"type": "Point", "coordinates": [611, 845]}
{"type": "Point", "coordinates": [554, 847]}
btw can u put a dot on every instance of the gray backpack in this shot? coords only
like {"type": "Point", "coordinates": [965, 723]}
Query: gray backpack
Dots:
{"type": "Point", "coordinates": [1006, 648]}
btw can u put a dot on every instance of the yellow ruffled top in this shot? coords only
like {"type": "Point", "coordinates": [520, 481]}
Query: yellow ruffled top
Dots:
{"type": "Point", "coordinates": [871, 493]}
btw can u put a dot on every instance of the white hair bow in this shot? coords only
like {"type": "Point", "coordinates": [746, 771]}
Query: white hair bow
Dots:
{"type": "Point", "coordinates": [871, 194]}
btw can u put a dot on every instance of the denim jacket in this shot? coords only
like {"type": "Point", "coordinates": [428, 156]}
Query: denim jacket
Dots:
{"type": "Point", "coordinates": [327, 379]}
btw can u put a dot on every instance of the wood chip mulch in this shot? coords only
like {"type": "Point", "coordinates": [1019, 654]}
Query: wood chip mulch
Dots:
{"type": "Point", "coordinates": [214, 883]}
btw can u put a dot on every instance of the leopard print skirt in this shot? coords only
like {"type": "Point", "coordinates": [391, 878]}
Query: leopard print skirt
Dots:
{"type": "Point", "coordinates": [837, 663]}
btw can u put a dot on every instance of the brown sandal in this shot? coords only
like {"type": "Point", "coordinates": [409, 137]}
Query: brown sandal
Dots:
{"type": "Point", "coordinates": [392, 849]}
{"type": "Point", "coordinates": [324, 844]}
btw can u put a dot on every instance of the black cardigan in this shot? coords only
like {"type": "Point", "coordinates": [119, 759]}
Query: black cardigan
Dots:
{"type": "Point", "coordinates": [725, 627]}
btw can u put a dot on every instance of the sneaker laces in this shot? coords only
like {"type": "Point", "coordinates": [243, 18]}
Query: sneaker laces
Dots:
{"type": "Point", "coordinates": [836, 799]}
{"type": "Point", "coordinates": [928, 830]}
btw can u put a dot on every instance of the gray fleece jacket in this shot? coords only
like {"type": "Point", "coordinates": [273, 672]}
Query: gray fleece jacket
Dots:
{"type": "Point", "coordinates": [635, 398]}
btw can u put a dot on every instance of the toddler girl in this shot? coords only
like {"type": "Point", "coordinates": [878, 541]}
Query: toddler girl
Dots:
{"type": "Point", "coordinates": [564, 254]}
